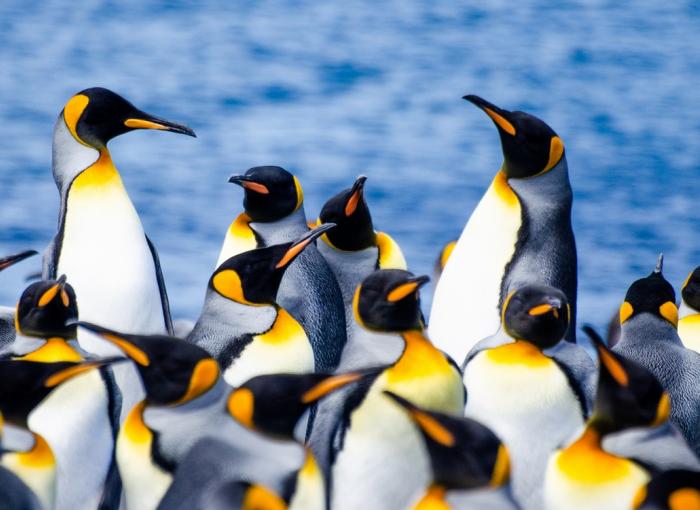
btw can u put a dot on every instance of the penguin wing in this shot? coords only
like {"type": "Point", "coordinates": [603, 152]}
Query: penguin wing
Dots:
{"type": "Point", "coordinates": [579, 369]}
{"type": "Point", "coordinates": [14, 494]}
{"type": "Point", "coordinates": [661, 448]}
{"type": "Point", "coordinates": [50, 259]}
{"type": "Point", "coordinates": [161, 287]}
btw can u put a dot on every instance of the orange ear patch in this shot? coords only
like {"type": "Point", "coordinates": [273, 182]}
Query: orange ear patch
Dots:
{"type": "Point", "coordinates": [669, 311]}
{"type": "Point", "coordinates": [626, 312]}
{"type": "Point", "coordinates": [556, 149]}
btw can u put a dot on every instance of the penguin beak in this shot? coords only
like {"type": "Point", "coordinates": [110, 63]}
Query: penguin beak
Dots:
{"type": "Point", "coordinates": [608, 361]}
{"type": "Point", "coordinates": [144, 120]}
{"type": "Point", "coordinates": [248, 183]}
{"type": "Point", "coordinates": [427, 422]}
{"type": "Point", "coordinates": [409, 287]}
{"type": "Point", "coordinates": [6, 262]}
{"type": "Point", "coordinates": [554, 306]}
{"type": "Point", "coordinates": [498, 115]}
{"type": "Point", "coordinates": [331, 384]}
{"type": "Point", "coordinates": [355, 195]}
{"type": "Point", "coordinates": [132, 350]}
{"type": "Point", "coordinates": [300, 244]}
{"type": "Point", "coordinates": [67, 373]}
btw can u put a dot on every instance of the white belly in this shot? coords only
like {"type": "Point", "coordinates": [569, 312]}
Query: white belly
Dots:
{"type": "Point", "coordinates": [689, 331]}
{"type": "Point", "coordinates": [465, 306]}
{"type": "Point", "coordinates": [532, 410]}
{"type": "Point", "coordinates": [107, 260]}
{"type": "Point", "coordinates": [74, 420]}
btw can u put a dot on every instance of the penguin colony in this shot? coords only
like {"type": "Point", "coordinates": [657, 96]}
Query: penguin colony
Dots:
{"type": "Point", "coordinates": [311, 380]}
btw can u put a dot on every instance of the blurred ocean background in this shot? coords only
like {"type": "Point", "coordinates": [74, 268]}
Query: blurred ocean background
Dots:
{"type": "Point", "coordinates": [334, 90]}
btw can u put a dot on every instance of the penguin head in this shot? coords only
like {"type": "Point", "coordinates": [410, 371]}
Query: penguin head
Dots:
{"type": "Point", "coordinates": [464, 454]}
{"type": "Point", "coordinates": [349, 211]}
{"type": "Point", "coordinates": [536, 313]}
{"type": "Point", "coordinates": [690, 292]}
{"type": "Point", "coordinates": [388, 300]}
{"type": "Point", "coordinates": [530, 147]}
{"type": "Point", "coordinates": [94, 116]}
{"type": "Point", "coordinates": [270, 193]}
{"type": "Point", "coordinates": [11, 260]}
{"type": "Point", "coordinates": [48, 309]}
{"type": "Point", "coordinates": [675, 489]}
{"type": "Point", "coordinates": [274, 403]}
{"type": "Point", "coordinates": [628, 395]}
{"type": "Point", "coordinates": [253, 277]}
{"type": "Point", "coordinates": [652, 295]}
{"type": "Point", "coordinates": [173, 371]}
{"type": "Point", "coordinates": [24, 384]}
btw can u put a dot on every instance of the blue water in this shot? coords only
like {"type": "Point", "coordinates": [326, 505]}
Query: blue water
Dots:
{"type": "Point", "coordinates": [332, 91]}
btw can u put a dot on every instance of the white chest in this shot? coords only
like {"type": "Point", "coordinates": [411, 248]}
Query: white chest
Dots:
{"type": "Point", "coordinates": [465, 306]}
{"type": "Point", "coordinates": [689, 331]}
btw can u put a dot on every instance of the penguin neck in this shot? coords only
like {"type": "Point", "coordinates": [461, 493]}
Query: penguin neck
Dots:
{"type": "Point", "coordinates": [647, 329]}
{"type": "Point", "coordinates": [53, 350]}
{"type": "Point", "coordinates": [547, 191]}
{"type": "Point", "coordinates": [235, 319]}
{"type": "Point", "coordinates": [419, 358]}
{"type": "Point", "coordinates": [283, 230]}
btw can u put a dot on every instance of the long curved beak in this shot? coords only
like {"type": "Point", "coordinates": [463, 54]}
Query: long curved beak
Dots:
{"type": "Point", "coordinates": [300, 244]}
{"type": "Point", "coordinates": [147, 121]}
{"type": "Point", "coordinates": [11, 260]}
{"type": "Point", "coordinates": [248, 183]}
{"type": "Point", "coordinates": [355, 195]}
{"type": "Point", "coordinates": [410, 286]}
{"type": "Point", "coordinates": [499, 116]}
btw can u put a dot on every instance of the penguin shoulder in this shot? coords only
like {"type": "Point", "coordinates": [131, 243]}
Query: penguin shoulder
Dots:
{"type": "Point", "coordinates": [240, 237]}
{"type": "Point", "coordinates": [580, 370]}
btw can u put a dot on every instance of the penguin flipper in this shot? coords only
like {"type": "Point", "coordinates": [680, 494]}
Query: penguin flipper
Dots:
{"type": "Point", "coordinates": [580, 371]}
{"type": "Point", "coordinates": [161, 287]}
{"type": "Point", "coordinates": [14, 494]}
{"type": "Point", "coordinates": [50, 260]}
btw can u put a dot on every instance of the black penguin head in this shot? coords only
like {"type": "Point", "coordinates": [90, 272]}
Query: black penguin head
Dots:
{"type": "Point", "coordinates": [253, 277]}
{"type": "Point", "coordinates": [349, 211]}
{"type": "Point", "coordinates": [530, 147]}
{"type": "Point", "coordinates": [173, 371]}
{"type": "Point", "coordinates": [11, 260]}
{"type": "Point", "coordinates": [675, 489]}
{"type": "Point", "coordinates": [24, 384]}
{"type": "Point", "coordinates": [464, 454]}
{"type": "Point", "coordinates": [628, 395]}
{"type": "Point", "coordinates": [536, 313]}
{"type": "Point", "coordinates": [690, 292]}
{"type": "Point", "coordinates": [270, 193]}
{"type": "Point", "coordinates": [274, 403]}
{"type": "Point", "coordinates": [95, 116]}
{"type": "Point", "coordinates": [388, 300]}
{"type": "Point", "coordinates": [653, 295]}
{"type": "Point", "coordinates": [48, 309]}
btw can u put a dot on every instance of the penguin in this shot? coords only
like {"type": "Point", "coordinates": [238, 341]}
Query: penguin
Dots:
{"type": "Point", "coordinates": [7, 313]}
{"type": "Point", "coordinates": [24, 387]}
{"type": "Point", "coordinates": [689, 311]}
{"type": "Point", "coordinates": [86, 403]}
{"type": "Point", "coordinates": [274, 214]}
{"type": "Point", "coordinates": [242, 325]}
{"type": "Point", "coordinates": [671, 490]}
{"type": "Point", "coordinates": [101, 245]}
{"type": "Point", "coordinates": [528, 396]}
{"type": "Point", "coordinates": [470, 465]}
{"type": "Point", "coordinates": [519, 233]}
{"type": "Point", "coordinates": [648, 322]}
{"type": "Point", "coordinates": [376, 459]}
{"type": "Point", "coordinates": [270, 408]}
{"type": "Point", "coordinates": [658, 444]}
{"type": "Point", "coordinates": [354, 250]}
{"type": "Point", "coordinates": [442, 258]}
{"type": "Point", "coordinates": [584, 474]}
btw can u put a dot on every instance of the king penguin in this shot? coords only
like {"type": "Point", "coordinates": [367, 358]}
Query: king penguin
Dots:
{"type": "Point", "coordinates": [377, 460]}
{"type": "Point", "coordinates": [528, 396]}
{"type": "Point", "coordinates": [584, 475]}
{"type": "Point", "coordinates": [520, 232]}
{"type": "Point", "coordinates": [677, 489]}
{"type": "Point", "coordinates": [354, 250]}
{"type": "Point", "coordinates": [648, 322]}
{"type": "Point", "coordinates": [83, 439]}
{"type": "Point", "coordinates": [470, 465]}
{"type": "Point", "coordinates": [242, 325]}
{"type": "Point", "coordinates": [101, 245]}
{"type": "Point", "coordinates": [689, 311]}
{"type": "Point", "coordinates": [24, 386]}
{"type": "Point", "coordinates": [274, 214]}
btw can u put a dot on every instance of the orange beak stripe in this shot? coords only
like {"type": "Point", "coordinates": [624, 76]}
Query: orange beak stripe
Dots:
{"type": "Point", "coordinates": [256, 187]}
{"type": "Point", "coordinates": [433, 428]}
{"type": "Point", "coordinates": [143, 124]}
{"type": "Point", "coordinates": [402, 291]}
{"type": "Point", "coordinates": [501, 121]}
{"type": "Point", "coordinates": [292, 252]}
{"type": "Point", "coordinates": [351, 206]}
{"type": "Point", "coordinates": [613, 366]}
{"type": "Point", "coordinates": [328, 385]}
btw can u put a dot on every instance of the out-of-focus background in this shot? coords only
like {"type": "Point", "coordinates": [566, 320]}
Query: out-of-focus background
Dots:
{"type": "Point", "coordinates": [333, 90]}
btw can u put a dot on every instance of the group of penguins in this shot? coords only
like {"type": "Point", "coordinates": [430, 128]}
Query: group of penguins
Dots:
{"type": "Point", "coordinates": [310, 379]}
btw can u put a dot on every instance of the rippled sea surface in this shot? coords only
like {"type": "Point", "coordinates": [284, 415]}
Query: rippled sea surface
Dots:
{"type": "Point", "coordinates": [330, 91]}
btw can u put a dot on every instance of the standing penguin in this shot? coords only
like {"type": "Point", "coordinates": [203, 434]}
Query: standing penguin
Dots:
{"type": "Point", "coordinates": [242, 325]}
{"type": "Point", "coordinates": [378, 461]}
{"type": "Point", "coordinates": [24, 386]}
{"type": "Point", "coordinates": [88, 424]}
{"type": "Point", "coordinates": [689, 311]}
{"type": "Point", "coordinates": [274, 214]}
{"type": "Point", "coordinates": [470, 465]}
{"type": "Point", "coordinates": [525, 394]}
{"type": "Point", "coordinates": [519, 233]}
{"type": "Point", "coordinates": [648, 321]}
{"type": "Point", "coordinates": [101, 246]}
{"type": "Point", "coordinates": [354, 250]}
